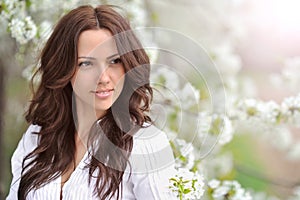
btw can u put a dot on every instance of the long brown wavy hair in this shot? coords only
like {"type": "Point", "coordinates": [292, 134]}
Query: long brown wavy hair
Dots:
{"type": "Point", "coordinates": [51, 106]}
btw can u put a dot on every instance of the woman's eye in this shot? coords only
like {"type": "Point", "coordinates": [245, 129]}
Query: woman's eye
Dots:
{"type": "Point", "coordinates": [85, 64]}
{"type": "Point", "coordinates": [115, 61]}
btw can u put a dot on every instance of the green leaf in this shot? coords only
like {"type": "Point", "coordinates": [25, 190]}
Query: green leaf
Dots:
{"type": "Point", "coordinates": [173, 179]}
{"type": "Point", "coordinates": [28, 3]}
{"type": "Point", "coordinates": [251, 111]}
{"type": "Point", "coordinates": [185, 191]}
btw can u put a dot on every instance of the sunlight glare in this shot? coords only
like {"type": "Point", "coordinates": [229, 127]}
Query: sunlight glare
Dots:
{"type": "Point", "coordinates": [287, 14]}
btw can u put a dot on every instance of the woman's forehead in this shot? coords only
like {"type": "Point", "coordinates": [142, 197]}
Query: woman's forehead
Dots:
{"type": "Point", "coordinates": [96, 43]}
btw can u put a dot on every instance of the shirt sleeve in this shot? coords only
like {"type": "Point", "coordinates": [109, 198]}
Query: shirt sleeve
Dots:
{"type": "Point", "coordinates": [27, 144]}
{"type": "Point", "coordinates": [152, 165]}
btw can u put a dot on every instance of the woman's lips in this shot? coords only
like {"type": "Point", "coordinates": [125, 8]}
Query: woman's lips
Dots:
{"type": "Point", "coordinates": [103, 93]}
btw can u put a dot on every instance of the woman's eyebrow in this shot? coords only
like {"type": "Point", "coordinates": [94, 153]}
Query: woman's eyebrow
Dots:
{"type": "Point", "coordinates": [87, 57]}
{"type": "Point", "coordinates": [110, 57]}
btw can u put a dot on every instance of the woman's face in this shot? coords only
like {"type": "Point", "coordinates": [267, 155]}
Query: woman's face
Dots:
{"type": "Point", "coordinates": [99, 76]}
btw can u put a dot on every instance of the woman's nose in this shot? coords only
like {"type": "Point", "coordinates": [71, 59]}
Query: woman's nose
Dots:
{"type": "Point", "coordinates": [104, 77]}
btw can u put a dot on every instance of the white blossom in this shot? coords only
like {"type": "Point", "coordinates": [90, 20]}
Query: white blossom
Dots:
{"type": "Point", "coordinates": [189, 96]}
{"type": "Point", "coordinates": [167, 81]}
{"type": "Point", "coordinates": [269, 111]}
{"type": "Point", "coordinates": [289, 75]}
{"type": "Point", "coordinates": [258, 111]}
{"type": "Point", "coordinates": [229, 190]}
{"type": "Point", "coordinates": [226, 131]}
{"type": "Point", "coordinates": [217, 165]}
{"type": "Point", "coordinates": [220, 192]}
{"type": "Point", "coordinates": [28, 72]}
{"type": "Point", "coordinates": [290, 108]}
{"type": "Point", "coordinates": [186, 158]}
{"type": "Point", "coordinates": [137, 12]}
{"type": "Point", "coordinates": [204, 124]}
{"type": "Point", "coordinates": [218, 126]}
{"type": "Point", "coordinates": [187, 184]}
{"type": "Point", "coordinates": [23, 30]}
{"type": "Point", "coordinates": [167, 77]}
{"type": "Point", "coordinates": [248, 108]}
{"type": "Point", "coordinates": [12, 8]}
{"type": "Point", "coordinates": [152, 54]}
{"type": "Point", "coordinates": [214, 183]}
{"type": "Point", "coordinates": [227, 62]}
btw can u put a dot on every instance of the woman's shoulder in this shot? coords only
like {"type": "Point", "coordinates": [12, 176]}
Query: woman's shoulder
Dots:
{"type": "Point", "coordinates": [27, 144]}
{"type": "Point", "coordinates": [30, 138]}
{"type": "Point", "coordinates": [33, 128]}
{"type": "Point", "coordinates": [150, 139]}
{"type": "Point", "coordinates": [150, 134]}
{"type": "Point", "coordinates": [151, 150]}
{"type": "Point", "coordinates": [32, 131]}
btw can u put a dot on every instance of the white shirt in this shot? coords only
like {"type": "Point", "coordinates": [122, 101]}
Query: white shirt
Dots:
{"type": "Point", "coordinates": [151, 160]}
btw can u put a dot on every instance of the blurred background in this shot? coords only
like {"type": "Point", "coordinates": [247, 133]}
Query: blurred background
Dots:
{"type": "Point", "coordinates": [255, 45]}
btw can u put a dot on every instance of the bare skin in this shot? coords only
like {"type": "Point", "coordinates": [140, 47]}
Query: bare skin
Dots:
{"type": "Point", "coordinates": [96, 84]}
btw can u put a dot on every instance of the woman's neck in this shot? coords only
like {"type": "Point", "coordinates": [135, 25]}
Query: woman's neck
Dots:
{"type": "Point", "coordinates": [85, 120]}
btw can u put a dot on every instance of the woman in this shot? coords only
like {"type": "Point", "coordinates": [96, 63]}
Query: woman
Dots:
{"type": "Point", "coordinates": [90, 136]}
